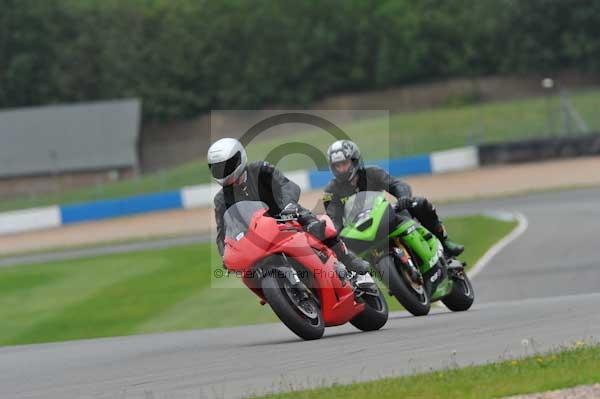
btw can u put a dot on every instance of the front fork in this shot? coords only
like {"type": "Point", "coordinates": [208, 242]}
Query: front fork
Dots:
{"type": "Point", "coordinates": [402, 259]}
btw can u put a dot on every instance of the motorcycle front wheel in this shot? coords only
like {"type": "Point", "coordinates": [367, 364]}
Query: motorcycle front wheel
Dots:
{"type": "Point", "coordinates": [299, 313]}
{"type": "Point", "coordinates": [412, 297]}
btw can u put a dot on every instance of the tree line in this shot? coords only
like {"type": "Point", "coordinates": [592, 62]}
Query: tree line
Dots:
{"type": "Point", "coordinates": [185, 57]}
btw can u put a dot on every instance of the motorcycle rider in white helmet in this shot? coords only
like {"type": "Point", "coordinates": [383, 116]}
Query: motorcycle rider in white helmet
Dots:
{"type": "Point", "coordinates": [261, 181]}
{"type": "Point", "coordinates": [351, 176]}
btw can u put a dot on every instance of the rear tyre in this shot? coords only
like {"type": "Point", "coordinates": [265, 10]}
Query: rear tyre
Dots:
{"type": "Point", "coordinates": [409, 294]}
{"type": "Point", "coordinates": [462, 296]}
{"type": "Point", "coordinates": [375, 314]}
{"type": "Point", "coordinates": [302, 316]}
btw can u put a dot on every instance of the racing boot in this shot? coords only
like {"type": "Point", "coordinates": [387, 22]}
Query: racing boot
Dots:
{"type": "Point", "coordinates": [451, 248]}
{"type": "Point", "coordinates": [348, 258]}
{"type": "Point", "coordinates": [354, 263]}
{"type": "Point", "coordinates": [342, 273]}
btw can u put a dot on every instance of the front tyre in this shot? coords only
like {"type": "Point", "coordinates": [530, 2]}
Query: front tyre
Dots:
{"type": "Point", "coordinates": [375, 314]}
{"type": "Point", "coordinates": [301, 315]}
{"type": "Point", "coordinates": [462, 296]}
{"type": "Point", "coordinates": [411, 295]}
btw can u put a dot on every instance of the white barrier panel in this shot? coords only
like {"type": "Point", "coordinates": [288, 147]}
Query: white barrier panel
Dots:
{"type": "Point", "coordinates": [199, 196]}
{"type": "Point", "coordinates": [300, 177]}
{"type": "Point", "coordinates": [453, 160]}
{"type": "Point", "coordinates": [202, 195]}
{"type": "Point", "coordinates": [29, 219]}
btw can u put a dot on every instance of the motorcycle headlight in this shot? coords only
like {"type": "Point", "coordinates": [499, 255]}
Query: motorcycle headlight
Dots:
{"type": "Point", "coordinates": [364, 224]}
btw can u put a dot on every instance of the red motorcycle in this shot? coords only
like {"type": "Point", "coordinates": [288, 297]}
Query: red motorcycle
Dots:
{"type": "Point", "coordinates": [296, 274]}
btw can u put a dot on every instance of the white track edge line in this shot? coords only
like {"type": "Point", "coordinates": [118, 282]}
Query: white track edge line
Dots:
{"type": "Point", "coordinates": [522, 225]}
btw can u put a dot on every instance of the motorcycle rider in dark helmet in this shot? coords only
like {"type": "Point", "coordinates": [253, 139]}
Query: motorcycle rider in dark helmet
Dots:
{"type": "Point", "coordinates": [351, 176]}
{"type": "Point", "coordinates": [261, 181]}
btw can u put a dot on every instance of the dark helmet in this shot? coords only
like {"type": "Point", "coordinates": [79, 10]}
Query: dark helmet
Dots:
{"type": "Point", "coordinates": [343, 150]}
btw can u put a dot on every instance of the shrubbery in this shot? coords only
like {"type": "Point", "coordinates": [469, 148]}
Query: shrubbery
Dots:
{"type": "Point", "coordinates": [184, 57]}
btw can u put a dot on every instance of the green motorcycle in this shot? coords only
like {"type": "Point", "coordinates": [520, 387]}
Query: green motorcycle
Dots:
{"type": "Point", "coordinates": [408, 258]}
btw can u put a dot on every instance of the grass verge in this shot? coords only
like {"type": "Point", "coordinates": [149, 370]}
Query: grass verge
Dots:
{"type": "Point", "coordinates": [571, 367]}
{"type": "Point", "coordinates": [95, 245]}
{"type": "Point", "coordinates": [152, 291]}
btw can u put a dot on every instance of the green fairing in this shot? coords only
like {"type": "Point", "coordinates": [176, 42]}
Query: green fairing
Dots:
{"type": "Point", "coordinates": [415, 240]}
{"type": "Point", "coordinates": [426, 250]}
{"type": "Point", "coordinates": [411, 233]}
{"type": "Point", "coordinates": [350, 231]}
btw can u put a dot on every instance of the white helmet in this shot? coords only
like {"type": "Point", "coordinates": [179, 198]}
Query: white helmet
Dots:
{"type": "Point", "coordinates": [226, 160]}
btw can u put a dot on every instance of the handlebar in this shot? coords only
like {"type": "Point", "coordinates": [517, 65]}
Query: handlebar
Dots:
{"type": "Point", "coordinates": [284, 219]}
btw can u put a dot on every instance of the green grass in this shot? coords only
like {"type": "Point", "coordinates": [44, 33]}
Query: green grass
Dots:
{"type": "Point", "coordinates": [409, 133]}
{"type": "Point", "coordinates": [91, 245]}
{"type": "Point", "coordinates": [444, 128]}
{"type": "Point", "coordinates": [572, 367]}
{"type": "Point", "coordinates": [150, 291]}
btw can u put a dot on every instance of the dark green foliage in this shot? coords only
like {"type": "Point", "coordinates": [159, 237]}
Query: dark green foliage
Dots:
{"type": "Point", "coordinates": [184, 57]}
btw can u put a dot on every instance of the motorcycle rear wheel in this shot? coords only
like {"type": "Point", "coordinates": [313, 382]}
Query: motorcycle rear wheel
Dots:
{"type": "Point", "coordinates": [462, 296]}
{"type": "Point", "coordinates": [375, 314]}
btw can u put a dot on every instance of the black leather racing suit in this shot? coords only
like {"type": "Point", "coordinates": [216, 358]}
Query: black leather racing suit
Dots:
{"type": "Point", "coordinates": [373, 178]}
{"type": "Point", "coordinates": [267, 184]}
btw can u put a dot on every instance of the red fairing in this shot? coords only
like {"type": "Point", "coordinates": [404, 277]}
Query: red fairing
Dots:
{"type": "Point", "coordinates": [337, 303]}
{"type": "Point", "coordinates": [245, 253]}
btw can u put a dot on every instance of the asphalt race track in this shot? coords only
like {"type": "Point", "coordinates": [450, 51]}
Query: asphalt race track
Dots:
{"type": "Point", "coordinates": [540, 292]}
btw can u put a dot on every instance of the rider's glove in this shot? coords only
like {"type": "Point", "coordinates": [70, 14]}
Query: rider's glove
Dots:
{"type": "Point", "coordinates": [316, 228]}
{"type": "Point", "coordinates": [290, 211]}
{"type": "Point", "coordinates": [311, 224]}
{"type": "Point", "coordinates": [404, 203]}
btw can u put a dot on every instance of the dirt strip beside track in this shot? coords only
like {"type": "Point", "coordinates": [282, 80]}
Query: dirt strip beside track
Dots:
{"type": "Point", "coordinates": [485, 182]}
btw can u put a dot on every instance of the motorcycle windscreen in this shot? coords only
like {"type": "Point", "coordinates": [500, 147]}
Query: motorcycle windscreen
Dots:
{"type": "Point", "coordinates": [358, 206]}
{"type": "Point", "coordinates": [238, 217]}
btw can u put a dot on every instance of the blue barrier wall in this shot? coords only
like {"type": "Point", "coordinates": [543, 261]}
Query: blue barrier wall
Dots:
{"type": "Point", "coordinates": [120, 207]}
{"type": "Point", "coordinates": [417, 165]}
{"type": "Point", "coordinates": [318, 178]}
